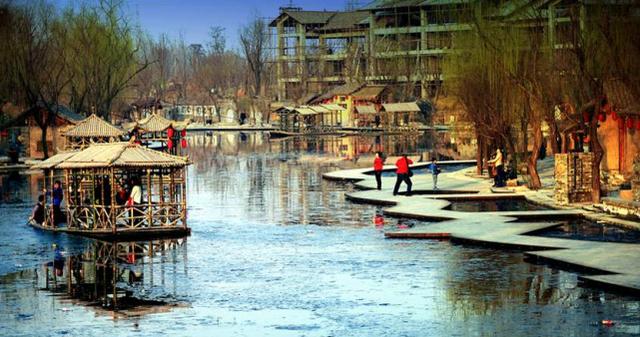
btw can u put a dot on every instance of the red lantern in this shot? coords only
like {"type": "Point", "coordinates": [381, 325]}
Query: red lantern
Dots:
{"type": "Point", "coordinates": [170, 132]}
{"type": "Point", "coordinates": [170, 144]}
{"type": "Point", "coordinates": [614, 115]}
{"type": "Point", "coordinates": [602, 117]}
{"type": "Point", "coordinates": [183, 142]}
{"type": "Point", "coordinates": [629, 122]}
{"type": "Point", "coordinates": [183, 133]}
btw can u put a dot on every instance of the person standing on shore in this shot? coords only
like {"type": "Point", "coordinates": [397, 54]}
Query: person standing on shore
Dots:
{"type": "Point", "coordinates": [499, 164]}
{"type": "Point", "coordinates": [378, 164]}
{"type": "Point", "coordinates": [435, 171]}
{"type": "Point", "coordinates": [403, 173]}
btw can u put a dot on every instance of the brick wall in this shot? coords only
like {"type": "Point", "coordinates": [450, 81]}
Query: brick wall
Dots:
{"type": "Point", "coordinates": [573, 177]}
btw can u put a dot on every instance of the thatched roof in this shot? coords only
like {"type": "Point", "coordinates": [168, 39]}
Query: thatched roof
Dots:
{"type": "Point", "coordinates": [156, 123]}
{"type": "Point", "coordinates": [401, 107]}
{"type": "Point", "coordinates": [94, 126]}
{"type": "Point", "coordinates": [53, 161]}
{"type": "Point", "coordinates": [121, 154]}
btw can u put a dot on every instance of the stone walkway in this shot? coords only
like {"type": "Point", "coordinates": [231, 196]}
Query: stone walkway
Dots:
{"type": "Point", "coordinates": [610, 264]}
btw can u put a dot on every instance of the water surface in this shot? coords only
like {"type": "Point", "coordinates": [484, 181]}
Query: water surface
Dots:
{"type": "Point", "coordinates": [277, 251]}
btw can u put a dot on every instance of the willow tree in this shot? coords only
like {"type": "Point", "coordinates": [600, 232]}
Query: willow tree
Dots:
{"type": "Point", "coordinates": [36, 62]}
{"type": "Point", "coordinates": [104, 55]}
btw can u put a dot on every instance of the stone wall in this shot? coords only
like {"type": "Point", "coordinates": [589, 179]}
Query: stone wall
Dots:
{"type": "Point", "coordinates": [573, 177]}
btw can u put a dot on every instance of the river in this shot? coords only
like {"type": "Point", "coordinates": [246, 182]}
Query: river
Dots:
{"type": "Point", "coordinates": [277, 251]}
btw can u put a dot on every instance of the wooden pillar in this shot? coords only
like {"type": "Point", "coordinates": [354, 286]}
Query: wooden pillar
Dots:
{"type": "Point", "coordinates": [67, 203]}
{"type": "Point", "coordinates": [149, 194]}
{"type": "Point", "coordinates": [112, 209]}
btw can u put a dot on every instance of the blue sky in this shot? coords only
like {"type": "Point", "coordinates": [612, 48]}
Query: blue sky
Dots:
{"type": "Point", "coordinates": [192, 18]}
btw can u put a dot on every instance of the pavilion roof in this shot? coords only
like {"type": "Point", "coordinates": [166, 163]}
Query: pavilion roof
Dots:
{"type": "Point", "coordinates": [54, 160]}
{"type": "Point", "coordinates": [121, 154]}
{"type": "Point", "coordinates": [157, 123]}
{"type": "Point", "coordinates": [94, 126]}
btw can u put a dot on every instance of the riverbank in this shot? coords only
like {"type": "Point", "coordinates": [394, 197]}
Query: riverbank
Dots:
{"type": "Point", "coordinates": [611, 264]}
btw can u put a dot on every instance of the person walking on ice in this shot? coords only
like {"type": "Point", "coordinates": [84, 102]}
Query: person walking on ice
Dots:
{"type": "Point", "coordinates": [435, 171]}
{"type": "Point", "coordinates": [403, 173]}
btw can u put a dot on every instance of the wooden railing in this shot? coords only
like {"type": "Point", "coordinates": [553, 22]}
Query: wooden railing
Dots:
{"type": "Point", "coordinates": [141, 216]}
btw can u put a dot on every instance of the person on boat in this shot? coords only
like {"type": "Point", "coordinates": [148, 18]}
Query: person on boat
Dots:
{"type": "Point", "coordinates": [378, 164]}
{"type": "Point", "coordinates": [57, 196]}
{"type": "Point", "coordinates": [435, 171]}
{"type": "Point", "coordinates": [136, 192]}
{"type": "Point", "coordinates": [498, 162]}
{"type": "Point", "coordinates": [403, 173]}
{"type": "Point", "coordinates": [37, 215]}
{"type": "Point", "coordinates": [122, 195]}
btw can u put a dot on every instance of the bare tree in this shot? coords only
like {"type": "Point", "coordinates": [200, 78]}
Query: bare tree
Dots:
{"type": "Point", "coordinates": [254, 42]}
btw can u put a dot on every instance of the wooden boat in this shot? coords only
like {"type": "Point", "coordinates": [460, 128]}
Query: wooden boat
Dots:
{"type": "Point", "coordinates": [92, 177]}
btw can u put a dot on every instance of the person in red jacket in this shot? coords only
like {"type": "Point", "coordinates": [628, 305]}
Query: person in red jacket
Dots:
{"type": "Point", "coordinates": [403, 173]}
{"type": "Point", "coordinates": [378, 163]}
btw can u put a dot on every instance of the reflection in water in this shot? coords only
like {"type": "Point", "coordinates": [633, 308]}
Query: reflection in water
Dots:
{"type": "Point", "coordinates": [277, 251]}
{"type": "Point", "coordinates": [111, 275]}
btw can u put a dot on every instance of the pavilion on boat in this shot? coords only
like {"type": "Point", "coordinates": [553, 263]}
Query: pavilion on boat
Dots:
{"type": "Point", "coordinates": [92, 130]}
{"type": "Point", "coordinates": [98, 180]}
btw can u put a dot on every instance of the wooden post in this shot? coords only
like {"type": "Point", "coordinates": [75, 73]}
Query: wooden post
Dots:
{"type": "Point", "coordinates": [112, 210]}
{"type": "Point", "coordinates": [68, 198]}
{"type": "Point", "coordinates": [149, 194]}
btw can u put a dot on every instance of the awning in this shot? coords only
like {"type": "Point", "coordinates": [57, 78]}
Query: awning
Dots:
{"type": "Point", "coordinates": [401, 107]}
{"type": "Point", "coordinates": [319, 109]}
{"type": "Point", "coordinates": [332, 107]}
{"type": "Point", "coordinates": [366, 109]}
{"type": "Point", "coordinates": [305, 111]}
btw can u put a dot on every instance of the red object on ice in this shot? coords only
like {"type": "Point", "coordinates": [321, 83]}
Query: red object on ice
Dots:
{"type": "Point", "coordinates": [183, 142]}
{"type": "Point", "coordinates": [608, 322]}
{"type": "Point", "coordinates": [378, 220]}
